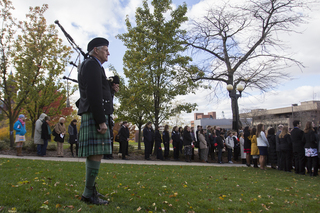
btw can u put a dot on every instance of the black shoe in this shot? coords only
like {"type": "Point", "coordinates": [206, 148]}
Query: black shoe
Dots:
{"type": "Point", "coordinates": [125, 159]}
{"type": "Point", "coordinates": [94, 200]}
{"type": "Point", "coordinates": [148, 159]}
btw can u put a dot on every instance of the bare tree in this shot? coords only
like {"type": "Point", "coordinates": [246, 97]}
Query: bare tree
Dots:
{"type": "Point", "coordinates": [241, 43]}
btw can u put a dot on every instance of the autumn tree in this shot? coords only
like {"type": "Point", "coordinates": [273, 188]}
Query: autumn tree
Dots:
{"type": "Point", "coordinates": [153, 63]}
{"type": "Point", "coordinates": [11, 103]}
{"type": "Point", "coordinates": [40, 58]}
{"type": "Point", "coordinates": [134, 107]}
{"type": "Point", "coordinates": [241, 44]}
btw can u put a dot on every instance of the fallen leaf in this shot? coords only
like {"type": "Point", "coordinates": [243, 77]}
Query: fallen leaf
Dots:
{"type": "Point", "coordinates": [46, 202]}
{"type": "Point", "coordinates": [58, 206]}
{"type": "Point", "coordinates": [138, 209]}
{"type": "Point", "coordinates": [79, 210]}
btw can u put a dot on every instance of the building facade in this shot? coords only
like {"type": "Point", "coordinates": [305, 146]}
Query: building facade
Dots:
{"type": "Point", "coordinates": [306, 111]}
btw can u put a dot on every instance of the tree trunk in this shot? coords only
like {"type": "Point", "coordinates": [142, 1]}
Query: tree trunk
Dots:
{"type": "Point", "coordinates": [139, 140]}
{"type": "Point", "coordinates": [11, 122]}
{"type": "Point", "coordinates": [236, 123]}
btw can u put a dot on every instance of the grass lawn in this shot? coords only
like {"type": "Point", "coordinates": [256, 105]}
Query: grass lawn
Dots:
{"type": "Point", "coordinates": [46, 186]}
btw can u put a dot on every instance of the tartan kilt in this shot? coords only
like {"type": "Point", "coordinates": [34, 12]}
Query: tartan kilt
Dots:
{"type": "Point", "coordinates": [91, 142]}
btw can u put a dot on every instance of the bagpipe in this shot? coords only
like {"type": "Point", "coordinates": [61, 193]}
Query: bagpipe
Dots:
{"type": "Point", "coordinates": [79, 51]}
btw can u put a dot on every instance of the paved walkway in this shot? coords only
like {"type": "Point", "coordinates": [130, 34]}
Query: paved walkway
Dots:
{"type": "Point", "coordinates": [119, 161]}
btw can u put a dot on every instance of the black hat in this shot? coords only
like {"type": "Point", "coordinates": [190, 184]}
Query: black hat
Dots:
{"type": "Point", "coordinates": [97, 42]}
{"type": "Point", "coordinates": [115, 79]}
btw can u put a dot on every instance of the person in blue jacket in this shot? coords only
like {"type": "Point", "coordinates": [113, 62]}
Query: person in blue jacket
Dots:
{"type": "Point", "coordinates": [20, 127]}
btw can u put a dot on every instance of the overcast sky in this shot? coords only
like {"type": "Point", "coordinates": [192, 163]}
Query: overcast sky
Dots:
{"type": "Point", "coordinates": [84, 20]}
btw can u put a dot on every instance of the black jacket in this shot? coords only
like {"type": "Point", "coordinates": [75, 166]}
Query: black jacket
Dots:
{"type": "Point", "coordinates": [165, 137]}
{"type": "Point", "coordinates": [219, 142]}
{"type": "Point", "coordinates": [124, 134]}
{"type": "Point", "coordinates": [44, 131]}
{"type": "Point", "coordinates": [95, 91]}
{"type": "Point", "coordinates": [175, 139]}
{"type": "Point", "coordinates": [310, 139]}
{"type": "Point", "coordinates": [187, 139]}
{"type": "Point", "coordinates": [285, 143]}
{"type": "Point", "coordinates": [272, 153]}
{"type": "Point", "coordinates": [148, 135]}
{"type": "Point", "coordinates": [296, 138]}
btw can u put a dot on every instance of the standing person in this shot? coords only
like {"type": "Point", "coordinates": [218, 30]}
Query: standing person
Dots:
{"type": "Point", "coordinates": [229, 145]}
{"type": "Point", "coordinates": [236, 146]}
{"type": "Point", "coordinates": [45, 135]}
{"type": "Point", "coordinates": [124, 135]}
{"type": "Point", "coordinates": [203, 146]}
{"type": "Point", "coordinates": [20, 127]}
{"type": "Point", "coordinates": [271, 137]}
{"type": "Point", "coordinates": [73, 136]}
{"type": "Point", "coordinates": [181, 139]}
{"type": "Point", "coordinates": [197, 145]}
{"type": "Point", "coordinates": [175, 136]}
{"type": "Point", "coordinates": [243, 154]}
{"type": "Point", "coordinates": [147, 140]}
{"type": "Point", "coordinates": [279, 164]}
{"type": "Point", "coordinates": [114, 83]}
{"type": "Point", "coordinates": [37, 133]}
{"type": "Point", "coordinates": [263, 145]}
{"type": "Point", "coordinates": [254, 148]}
{"type": "Point", "coordinates": [194, 141]}
{"type": "Point", "coordinates": [166, 141]}
{"type": "Point", "coordinates": [187, 143]}
{"type": "Point", "coordinates": [158, 140]}
{"type": "Point", "coordinates": [311, 148]}
{"type": "Point", "coordinates": [60, 130]}
{"type": "Point", "coordinates": [285, 149]}
{"type": "Point", "coordinates": [247, 145]}
{"type": "Point", "coordinates": [95, 108]}
{"type": "Point", "coordinates": [220, 145]}
{"type": "Point", "coordinates": [298, 148]}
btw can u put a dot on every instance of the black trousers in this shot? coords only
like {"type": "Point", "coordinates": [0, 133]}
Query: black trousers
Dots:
{"type": "Point", "coordinates": [124, 149]}
{"type": "Point", "coordinates": [286, 160]}
{"type": "Point", "coordinates": [147, 150]}
{"type": "Point", "coordinates": [166, 149]}
{"type": "Point", "coordinates": [176, 150]}
{"type": "Point", "coordinates": [313, 162]}
{"type": "Point", "coordinates": [279, 164]}
{"type": "Point", "coordinates": [236, 153]}
{"type": "Point", "coordinates": [158, 150]}
{"type": "Point", "coordinates": [299, 162]}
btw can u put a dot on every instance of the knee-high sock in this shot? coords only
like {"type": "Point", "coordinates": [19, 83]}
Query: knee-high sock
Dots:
{"type": "Point", "coordinates": [92, 170]}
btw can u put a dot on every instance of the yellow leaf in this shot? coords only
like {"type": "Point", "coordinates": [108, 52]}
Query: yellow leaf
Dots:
{"type": "Point", "coordinates": [221, 198]}
{"type": "Point", "coordinates": [58, 206]}
{"type": "Point", "coordinates": [224, 195]}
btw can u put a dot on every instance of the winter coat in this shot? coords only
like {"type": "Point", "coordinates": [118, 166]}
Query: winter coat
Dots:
{"type": "Point", "coordinates": [229, 142]}
{"type": "Point", "coordinates": [203, 142]}
{"type": "Point", "coordinates": [38, 129]}
{"type": "Point", "coordinates": [243, 155]}
{"type": "Point", "coordinates": [219, 141]}
{"type": "Point", "coordinates": [20, 129]}
{"type": "Point", "coordinates": [175, 136]}
{"type": "Point", "coordinates": [310, 140]}
{"type": "Point", "coordinates": [45, 131]}
{"type": "Point", "coordinates": [296, 138]}
{"type": "Point", "coordinates": [60, 128]}
{"type": "Point", "coordinates": [73, 134]}
{"type": "Point", "coordinates": [272, 153]}
{"type": "Point", "coordinates": [187, 139]}
{"type": "Point", "coordinates": [254, 147]}
{"type": "Point", "coordinates": [262, 140]}
{"type": "Point", "coordinates": [285, 143]}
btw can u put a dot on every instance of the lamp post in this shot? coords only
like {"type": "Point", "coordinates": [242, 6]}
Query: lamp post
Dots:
{"type": "Point", "coordinates": [234, 96]}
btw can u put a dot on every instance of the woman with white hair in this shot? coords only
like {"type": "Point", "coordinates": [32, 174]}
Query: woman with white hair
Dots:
{"type": "Point", "coordinates": [60, 131]}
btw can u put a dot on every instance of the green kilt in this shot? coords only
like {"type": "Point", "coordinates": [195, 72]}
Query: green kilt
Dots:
{"type": "Point", "coordinates": [91, 142]}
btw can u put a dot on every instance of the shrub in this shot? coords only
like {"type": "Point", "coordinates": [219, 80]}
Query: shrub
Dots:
{"type": "Point", "coordinates": [30, 146]}
{"type": "Point", "coordinates": [52, 147]}
{"type": "Point", "coordinates": [4, 145]}
{"type": "Point", "coordinates": [115, 149]}
{"type": "Point", "coordinates": [130, 148]}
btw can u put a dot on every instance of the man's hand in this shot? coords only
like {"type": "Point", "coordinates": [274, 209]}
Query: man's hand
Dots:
{"type": "Point", "coordinates": [115, 87]}
{"type": "Point", "coordinates": [102, 128]}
